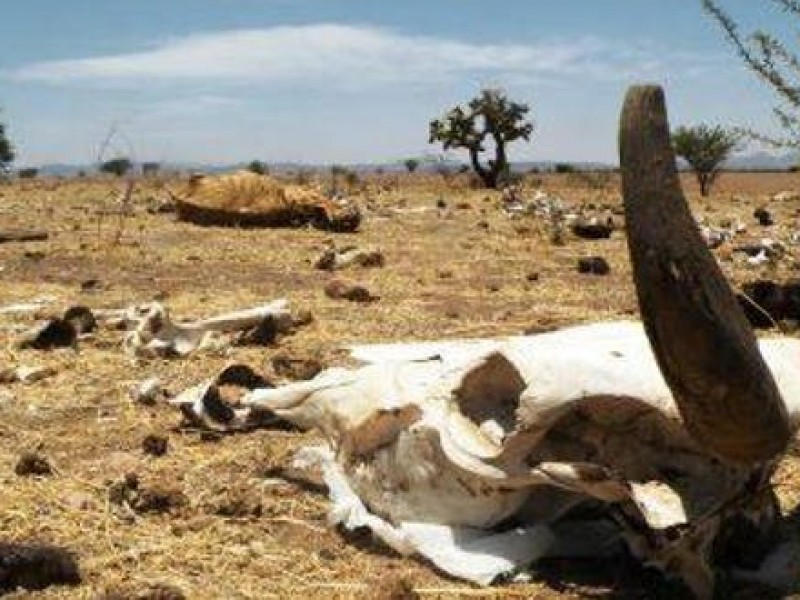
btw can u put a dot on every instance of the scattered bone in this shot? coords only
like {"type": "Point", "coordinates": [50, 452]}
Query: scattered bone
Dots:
{"type": "Point", "coordinates": [768, 302]}
{"type": "Point", "coordinates": [595, 265]}
{"type": "Point", "coordinates": [21, 235]}
{"type": "Point", "coordinates": [148, 392]}
{"type": "Point", "coordinates": [593, 228]}
{"type": "Point", "coordinates": [786, 196]}
{"type": "Point", "coordinates": [25, 307]}
{"type": "Point", "coordinates": [155, 334]}
{"type": "Point", "coordinates": [342, 289]}
{"type": "Point", "coordinates": [335, 259]}
{"type": "Point", "coordinates": [26, 374]}
{"type": "Point", "coordinates": [765, 251]}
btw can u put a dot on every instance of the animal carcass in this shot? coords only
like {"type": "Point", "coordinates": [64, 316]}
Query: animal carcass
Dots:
{"type": "Point", "coordinates": [245, 199]}
{"type": "Point", "coordinates": [659, 438]}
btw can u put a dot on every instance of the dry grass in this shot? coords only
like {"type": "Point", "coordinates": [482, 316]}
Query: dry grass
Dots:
{"type": "Point", "coordinates": [236, 530]}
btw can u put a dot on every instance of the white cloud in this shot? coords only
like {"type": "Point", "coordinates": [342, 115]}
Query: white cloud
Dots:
{"type": "Point", "coordinates": [346, 56]}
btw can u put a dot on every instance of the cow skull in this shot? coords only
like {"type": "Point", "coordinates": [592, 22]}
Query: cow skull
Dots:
{"type": "Point", "coordinates": [669, 430]}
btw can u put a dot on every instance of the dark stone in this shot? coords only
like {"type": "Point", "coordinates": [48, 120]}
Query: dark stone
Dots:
{"type": "Point", "coordinates": [81, 318]}
{"type": "Point", "coordinates": [55, 333]}
{"type": "Point", "coordinates": [33, 567]}
{"type": "Point", "coordinates": [31, 463]}
{"type": "Point", "coordinates": [595, 265]}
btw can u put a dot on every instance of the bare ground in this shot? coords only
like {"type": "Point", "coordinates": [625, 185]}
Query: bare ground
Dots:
{"type": "Point", "coordinates": [218, 517]}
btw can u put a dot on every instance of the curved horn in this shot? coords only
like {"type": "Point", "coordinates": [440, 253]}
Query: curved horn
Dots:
{"type": "Point", "coordinates": [705, 348]}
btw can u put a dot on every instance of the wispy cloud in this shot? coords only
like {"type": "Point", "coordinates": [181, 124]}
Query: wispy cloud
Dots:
{"type": "Point", "coordinates": [346, 55]}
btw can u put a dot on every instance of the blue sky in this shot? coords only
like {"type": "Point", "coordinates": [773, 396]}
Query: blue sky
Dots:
{"type": "Point", "coordinates": [353, 80]}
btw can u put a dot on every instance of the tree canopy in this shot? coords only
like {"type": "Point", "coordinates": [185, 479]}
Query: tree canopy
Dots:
{"type": "Point", "coordinates": [705, 148]}
{"type": "Point", "coordinates": [489, 118]}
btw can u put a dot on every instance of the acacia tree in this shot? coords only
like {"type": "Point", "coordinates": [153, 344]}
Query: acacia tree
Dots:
{"type": "Point", "coordinates": [489, 118]}
{"type": "Point", "coordinates": [411, 164]}
{"type": "Point", "coordinates": [705, 148]}
{"type": "Point", "coordinates": [6, 151]}
{"type": "Point", "coordinates": [772, 61]}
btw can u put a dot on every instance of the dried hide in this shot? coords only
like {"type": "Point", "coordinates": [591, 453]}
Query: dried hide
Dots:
{"type": "Point", "coordinates": [245, 199]}
{"type": "Point", "coordinates": [483, 456]}
{"type": "Point", "coordinates": [154, 333]}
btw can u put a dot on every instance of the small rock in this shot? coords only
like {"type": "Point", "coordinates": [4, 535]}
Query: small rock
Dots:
{"type": "Point", "coordinates": [91, 285]}
{"type": "Point", "coordinates": [302, 318]}
{"type": "Point", "coordinates": [298, 369]}
{"type": "Point", "coordinates": [26, 374]}
{"type": "Point", "coordinates": [155, 445]}
{"type": "Point", "coordinates": [763, 216]}
{"type": "Point", "coordinates": [347, 290]}
{"type": "Point", "coordinates": [595, 265]}
{"type": "Point", "coordinates": [263, 334]}
{"type": "Point", "coordinates": [532, 276]}
{"type": "Point", "coordinates": [335, 259]}
{"type": "Point", "coordinates": [82, 319]}
{"type": "Point", "coordinates": [32, 463]}
{"type": "Point", "coordinates": [35, 567]}
{"type": "Point", "coordinates": [55, 333]}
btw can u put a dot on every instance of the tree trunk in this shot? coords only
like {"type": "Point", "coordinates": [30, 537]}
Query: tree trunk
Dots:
{"type": "Point", "coordinates": [500, 165]}
{"type": "Point", "coordinates": [705, 182]}
{"type": "Point", "coordinates": [488, 176]}
{"type": "Point", "coordinates": [704, 345]}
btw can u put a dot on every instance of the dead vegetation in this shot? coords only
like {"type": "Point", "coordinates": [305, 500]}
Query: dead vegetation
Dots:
{"type": "Point", "coordinates": [217, 516]}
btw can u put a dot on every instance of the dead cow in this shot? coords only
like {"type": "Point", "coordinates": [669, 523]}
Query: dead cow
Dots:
{"type": "Point", "coordinates": [245, 199]}
{"type": "Point", "coordinates": [658, 437]}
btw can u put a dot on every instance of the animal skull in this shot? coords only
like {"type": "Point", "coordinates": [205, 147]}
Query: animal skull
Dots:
{"type": "Point", "coordinates": [668, 430]}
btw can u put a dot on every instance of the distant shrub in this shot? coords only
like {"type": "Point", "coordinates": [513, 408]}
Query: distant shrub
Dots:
{"type": "Point", "coordinates": [28, 173]}
{"type": "Point", "coordinates": [258, 167]}
{"type": "Point", "coordinates": [150, 168]}
{"type": "Point", "coordinates": [351, 179]}
{"type": "Point", "coordinates": [117, 166]}
{"type": "Point", "coordinates": [411, 164]}
{"type": "Point", "coordinates": [706, 149]}
{"type": "Point", "coordinates": [564, 168]}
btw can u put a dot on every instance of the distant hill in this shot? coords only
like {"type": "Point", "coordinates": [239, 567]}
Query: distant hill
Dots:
{"type": "Point", "coordinates": [752, 161]}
